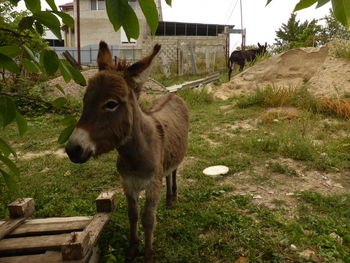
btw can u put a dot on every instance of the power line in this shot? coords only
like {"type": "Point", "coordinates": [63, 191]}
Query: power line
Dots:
{"type": "Point", "coordinates": [233, 9]}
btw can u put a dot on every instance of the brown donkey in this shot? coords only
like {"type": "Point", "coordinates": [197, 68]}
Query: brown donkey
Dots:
{"type": "Point", "coordinates": [150, 144]}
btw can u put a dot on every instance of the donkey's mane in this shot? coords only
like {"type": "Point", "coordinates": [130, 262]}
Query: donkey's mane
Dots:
{"type": "Point", "coordinates": [121, 65]}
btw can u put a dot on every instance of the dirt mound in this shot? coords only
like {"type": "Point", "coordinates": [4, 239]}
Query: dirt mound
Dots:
{"type": "Point", "coordinates": [317, 68]}
{"type": "Point", "coordinates": [75, 90]}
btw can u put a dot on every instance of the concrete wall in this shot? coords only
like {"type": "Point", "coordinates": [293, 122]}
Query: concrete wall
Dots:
{"type": "Point", "coordinates": [95, 26]}
{"type": "Point", "coordinates": [206, 49]}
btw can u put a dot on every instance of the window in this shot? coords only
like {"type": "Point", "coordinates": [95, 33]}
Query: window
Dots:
{"type": "Point", "coordinates": [97, 4]}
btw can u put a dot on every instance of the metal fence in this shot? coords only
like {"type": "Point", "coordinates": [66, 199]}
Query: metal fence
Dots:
{"type": "Point", "coordinates": [88, 54]}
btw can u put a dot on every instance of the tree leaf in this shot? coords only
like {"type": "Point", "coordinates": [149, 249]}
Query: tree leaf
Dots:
{"type": "Point", "coordinates": [50, 20]}
{"type": "Point", "coordinates": [67, 19]}
{"type": "Point", "coordinates": [21, 123]}
{"type": "Point", "coordinates": [7, 111]}
{"type": "Point", "coordinates": [169, 2]}
{"type": "Point", "coordinates": [39, 28]}
{"type": "Point", "coordinates": [14, 2]}
{"type": "Point", "coordinates": [150, 11]}
{"type": "Point", "coordinates": [59, 102]}
{"type": "Point", "coordinates": [341, 9]}
{"type": "Point", "coordinates": [9, 181]}
{"type": "Point", "coordinates": [6, 149]}
{"type": "Point", "coordinates": [26, 23]}
{"type": "Point", "coordinates": [52, 4]}
{"type": "Point", "coordinates": [321, 3]}
{"type": "Point", "coordinates": [13, 168]}
{"type": "Point", "coordinates": [7, 63]}
{"type": "Point", "coordinates": [28, 52]}
{"type": "Point", "coordinates": [304, 4]}
{"type": "Point", "coordinates": [30, 66]}
{"type": "Point", "coordinates": [10, 51]}
{"type": "Point", "coordinates": [59, 87]}
{"type": "Point", "coordinates": [120, 13]}
{"type": "Point", "coordinates": [50, 61]}
{"type": "Point", "coordinates": [64, 136]}
{"type": "Point", "coordinates": [74, 73]}
{"type": "Point", "coordinates": [33, 5]}
{"type": "Point", "coordinates": [64, 71]}
{"type": "Point", "coordinates": [68, 121]}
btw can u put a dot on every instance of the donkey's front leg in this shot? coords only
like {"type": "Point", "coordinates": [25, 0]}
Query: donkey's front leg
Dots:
{"type": "Point", "coordinates": [149, 219]}
{"type": "Point", "coordinates": [133, 212]}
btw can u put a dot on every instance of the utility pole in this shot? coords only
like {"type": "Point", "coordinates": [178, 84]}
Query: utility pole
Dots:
{"type": "Point", "coordinates": [243, 31]}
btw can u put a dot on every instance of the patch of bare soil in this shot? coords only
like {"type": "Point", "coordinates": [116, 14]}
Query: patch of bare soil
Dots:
{"type": "Point", "coordinates": [59, 153]}
{"type": "Point", "coordinates": [274, 190]}
{"type": "Point", "coordinates": [323, 73]}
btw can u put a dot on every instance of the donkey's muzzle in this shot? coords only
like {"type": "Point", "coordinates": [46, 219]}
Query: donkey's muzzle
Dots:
{"type": "Point", "coordinates": [77, 154]}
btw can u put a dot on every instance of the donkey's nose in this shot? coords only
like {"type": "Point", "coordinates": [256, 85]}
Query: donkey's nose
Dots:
{"type": "Point", "coordinates": [77, 154]}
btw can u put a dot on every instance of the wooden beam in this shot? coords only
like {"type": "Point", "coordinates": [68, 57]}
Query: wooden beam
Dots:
{"type": "Point", "coordinates": [19, 211]}
{"type": "Point", "coordinates": [23, 207]}
{"type": "Point", "coordinates": [33, 243]}
{"type": "Point", "coordinates": [76, 247]}
{"type": "Point", "coordinates": [105, 202]}
{"type": "Point", "coordinates": [51, 226]}
{"type": "Point", "coordinates": [49, 257]}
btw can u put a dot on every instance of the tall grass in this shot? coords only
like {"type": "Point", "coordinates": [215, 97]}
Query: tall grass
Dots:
{"type": "Point", "coordinates": [274, 96]}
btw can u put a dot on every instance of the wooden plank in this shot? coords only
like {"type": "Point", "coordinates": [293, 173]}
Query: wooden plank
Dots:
{"type": "Point", "coordinates": [19, 211]}
{"type": "Point", "coordinates": [30, 228]}
{"type": "Point", "coordinates": [77, 247]}
{"type": "Point", "coordinates": [48, 257]}
{"type": "Point", "coordinates": [23, 207]}
{"type": "Point", "coordinates": [55, 220]}
{"type": "Point", "coordinates": [9, 226]}
{"type": "Point", "coordinates": [35, 243]}
{"type": "Point", "coordinates": [105, 202]}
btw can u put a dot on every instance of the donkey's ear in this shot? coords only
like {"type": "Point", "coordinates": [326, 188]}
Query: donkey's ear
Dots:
{"type": "Point", "coordinates": [265, 44]}
{"type": "Point", "coordinates": [140, 70]}
{"type": "Point", "coordinates": [259, 45]}
{"type": "Point", "coordinates": [104, 57]}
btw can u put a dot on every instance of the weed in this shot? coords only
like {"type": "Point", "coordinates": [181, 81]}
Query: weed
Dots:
{"type": "Point", "coordinates": [283, 169]}
{"type": "Point", "coordinates": [196, 97]}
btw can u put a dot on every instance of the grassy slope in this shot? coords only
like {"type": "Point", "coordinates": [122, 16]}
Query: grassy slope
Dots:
{"type": "Point", "coordinates": [210, 222]}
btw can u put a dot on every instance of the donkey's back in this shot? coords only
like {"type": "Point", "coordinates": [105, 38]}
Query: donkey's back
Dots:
{"type": "Point", "coordinates": [171, 115]}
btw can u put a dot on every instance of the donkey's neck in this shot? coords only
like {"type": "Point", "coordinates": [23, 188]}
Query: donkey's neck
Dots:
{"type": "Point", "coordinates": [143, 133]}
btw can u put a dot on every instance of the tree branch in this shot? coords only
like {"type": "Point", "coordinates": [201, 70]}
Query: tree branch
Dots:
{"type": "Point", "coordinates": [26, 97]}
{"type": "Point", "coordinates": [16, 34]}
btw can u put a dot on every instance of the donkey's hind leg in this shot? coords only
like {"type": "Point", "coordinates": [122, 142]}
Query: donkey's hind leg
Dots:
{"type": "Point", "coordinates": [174, 185]}
{"type": "Point", "coordinates": [171, 189]}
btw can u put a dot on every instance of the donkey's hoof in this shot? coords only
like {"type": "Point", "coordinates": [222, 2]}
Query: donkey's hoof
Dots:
{"type": "Point", "coordinates": [131, 253]}
{"type": "Point", "coordinates": [149, 258]}
{"type": "Point", "coordinates": [169, 205]}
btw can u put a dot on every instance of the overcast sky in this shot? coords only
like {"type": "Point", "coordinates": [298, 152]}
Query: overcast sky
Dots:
{"type": "Point", "coordinates": [260, 22]}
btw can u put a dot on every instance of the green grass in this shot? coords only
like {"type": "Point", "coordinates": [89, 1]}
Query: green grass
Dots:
{"type": "Point", "coordinates": [210, 222]}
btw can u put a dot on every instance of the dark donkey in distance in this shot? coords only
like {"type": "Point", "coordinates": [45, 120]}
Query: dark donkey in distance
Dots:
{"type": "Point", "coordinates": [241, 56]}
{"type": "Point", "coordinates": [150, 144]}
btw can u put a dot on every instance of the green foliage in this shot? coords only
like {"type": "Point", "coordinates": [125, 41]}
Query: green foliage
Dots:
{"type": "Point", "coordinates": [120, 14]}
{"type": "Point", "coordinates": [196, 97]}
{"type": "Point", "coordinates": [295, 34]}
{"type": "Point", "coordinates": [333, 29]}
{"type": "Point", "coordinates": [341, 8]}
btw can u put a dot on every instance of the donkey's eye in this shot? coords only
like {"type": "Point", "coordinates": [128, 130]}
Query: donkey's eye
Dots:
{"type": "Point", "coordinates": [111, 105]}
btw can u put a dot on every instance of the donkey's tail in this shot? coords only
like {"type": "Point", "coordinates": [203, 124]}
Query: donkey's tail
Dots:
{"type": "Point", "coordinates": [229, 65]}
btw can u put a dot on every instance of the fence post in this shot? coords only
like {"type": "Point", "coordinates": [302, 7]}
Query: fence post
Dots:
{"type": "Point", "coordinates": [207, 60]}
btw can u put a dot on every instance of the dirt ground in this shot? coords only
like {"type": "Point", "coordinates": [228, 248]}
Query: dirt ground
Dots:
{"type": "Point", "coordinates": [317, 68]}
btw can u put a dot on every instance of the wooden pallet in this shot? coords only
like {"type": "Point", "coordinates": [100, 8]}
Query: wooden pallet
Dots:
{"type": "Point", "coordinates": [56, 239]}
